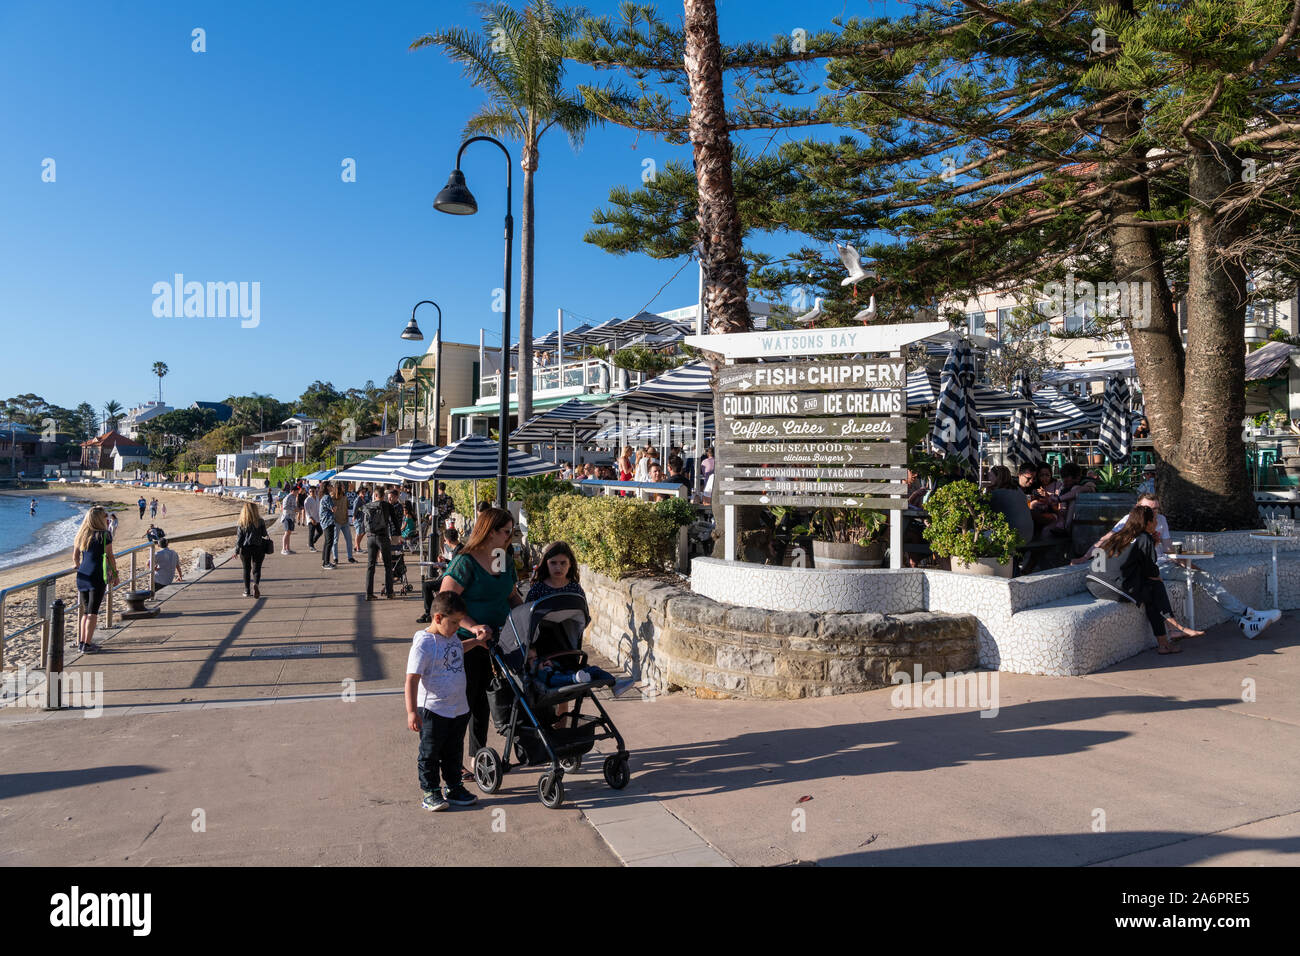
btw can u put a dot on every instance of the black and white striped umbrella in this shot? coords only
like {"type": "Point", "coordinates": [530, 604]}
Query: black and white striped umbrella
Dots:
{"type": "Point", "coordinates": [380, 468]}
{"type": "Point", "coordinates": [924, 386]}
{"type": "Point", "coordinates": [1022, 437]}
{"type": "Point", "coordinates": [562, 421]}
{"type": "Point", "coordinates": [472, 457]}
{"type": "Point", "coordinates": [957, 421]}
{"type": "Point", "coordinates": [1116, 439]}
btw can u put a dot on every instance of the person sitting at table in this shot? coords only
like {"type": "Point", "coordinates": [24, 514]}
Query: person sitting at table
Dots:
{"type": "Point", "coordinates": [1041, 497]}
{"type": "Point", "coordinates": [1124, 569]}
{"type": "Point", "coordinates": [1251, 622]}
{"type": "Point", "coordinates": [1007, 498]}
{"type": "Point", "coordinates": [1073, 483]}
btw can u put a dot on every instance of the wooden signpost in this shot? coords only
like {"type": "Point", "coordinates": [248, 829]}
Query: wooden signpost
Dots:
{"type": "Point", "coordinates": [800, 433]}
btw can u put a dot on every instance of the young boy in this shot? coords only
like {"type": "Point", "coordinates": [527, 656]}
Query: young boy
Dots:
{"type": "Point", "coordinates": [436, 705]}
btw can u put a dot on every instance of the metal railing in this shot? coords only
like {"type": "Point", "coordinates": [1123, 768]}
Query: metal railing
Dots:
{"type": "Point", "coordinates": [45, 587]}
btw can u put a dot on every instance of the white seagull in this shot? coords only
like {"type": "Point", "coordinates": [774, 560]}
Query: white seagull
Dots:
{"type": "Point", "coordinates": [853, 263]}
{"type": "Point", "coordinates": [808, 318]}
{"type": "Point", "coordinates": [867, 314]}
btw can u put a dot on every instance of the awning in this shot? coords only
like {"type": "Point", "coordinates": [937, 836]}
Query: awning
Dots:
{"type": "Point", "coordinates": [1268, 360]}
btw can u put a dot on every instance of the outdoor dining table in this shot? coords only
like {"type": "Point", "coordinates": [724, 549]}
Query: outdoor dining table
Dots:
{"type": "Point", "coordinates": [1274, 540]}
{"type": "Point", "coordinates": [1190, 601]}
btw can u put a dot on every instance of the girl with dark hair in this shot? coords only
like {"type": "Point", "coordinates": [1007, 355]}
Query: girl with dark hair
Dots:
{"type": "Point", "coordinates": [1124, 569]}
{"type": "Point", "coordinates": [483, 574]}
{"type": "Point", "coordinates": [556, 571]}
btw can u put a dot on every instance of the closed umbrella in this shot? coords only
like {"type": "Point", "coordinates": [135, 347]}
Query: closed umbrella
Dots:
{"type": "Point", "coordinates": [1116, 438]}
{"type": "Point", "coordinates": [1022, 437]}
{"type": "Point", "coordinates": [957, 420]}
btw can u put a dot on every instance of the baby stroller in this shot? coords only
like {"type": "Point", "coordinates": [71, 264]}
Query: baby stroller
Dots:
{"type": "Point", "coordinates": [523, 705]}
{"type": "Point", "coordinates": [401, 582]}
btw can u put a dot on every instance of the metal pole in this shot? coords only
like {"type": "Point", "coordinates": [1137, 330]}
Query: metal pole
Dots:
{"type": "Point", "coordinates": [54, 659]}
{"type": "Point", "coordinates": [559, 346]}
{"type": "Point", "coordinates": [437, 387]}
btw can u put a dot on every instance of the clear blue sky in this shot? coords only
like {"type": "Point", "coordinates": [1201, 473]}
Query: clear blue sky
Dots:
{"type": "Point", "coordinates": [225, 166]}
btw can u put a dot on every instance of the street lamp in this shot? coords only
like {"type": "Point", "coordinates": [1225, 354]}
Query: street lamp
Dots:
{"type": "Point", "coordinates": [457, 200]}
{"type": "Point", "coordinates": [412, 334]}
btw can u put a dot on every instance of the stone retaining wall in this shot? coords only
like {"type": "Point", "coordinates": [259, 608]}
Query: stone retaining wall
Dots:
{"type": "Point", "coordinates": [672, 638]}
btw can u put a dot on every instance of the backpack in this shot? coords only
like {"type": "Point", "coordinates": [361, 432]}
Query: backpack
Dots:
{"type": "Point", "coordinates": [376, 516]}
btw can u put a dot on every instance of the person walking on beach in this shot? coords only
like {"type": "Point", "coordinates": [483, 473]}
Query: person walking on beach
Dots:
{"type": "Point", "coordinates": [153, 508]}
{"type": "Point", "coordinates": [142, 505]}
{"type": "Point", "coordinates": [112, 524]}
{"type": "Point", "coordinates": [164, 509]}
{"type": "Point", "coordinates": [33, 507]}
{"type": "Point", "coordinates": [286, 522]}
{"type": "Point", "coordinates": [378, 518]}
{"type": "Point", "coordinates": [483, 574]}
{"type": "Point", "coordinates": [328, 526]}
{"type": "Point", "coordinates": [92, 553]}
{"type": "Point", "coordinates": [251, 546]}
{"type": "Point", "coordinates": [312, 507]}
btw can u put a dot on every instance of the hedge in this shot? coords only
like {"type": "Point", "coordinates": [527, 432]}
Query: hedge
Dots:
{"type": "Point", "coordinates": [615, 535]}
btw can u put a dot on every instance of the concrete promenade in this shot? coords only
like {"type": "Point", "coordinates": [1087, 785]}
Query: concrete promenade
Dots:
{"type": "Point", "coordinates": [234, 714]}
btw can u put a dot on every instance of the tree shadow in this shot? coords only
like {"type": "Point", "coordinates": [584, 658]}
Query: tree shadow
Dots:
{"type": "Point", "coordinates": [25, 784]}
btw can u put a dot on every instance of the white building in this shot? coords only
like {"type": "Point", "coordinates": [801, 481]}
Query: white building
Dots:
{"type": "Point", "coordinates": [130, 425]}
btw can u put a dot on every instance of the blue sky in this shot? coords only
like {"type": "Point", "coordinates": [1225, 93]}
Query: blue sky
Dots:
{"type": "Point", "coordinates": [225, 166]}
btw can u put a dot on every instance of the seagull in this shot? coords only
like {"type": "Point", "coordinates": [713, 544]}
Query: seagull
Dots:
{"type": "Point", "coordinates": [808, 318]}
{"type": "Point", "coordinates": [853, 263]}
{"type": "Point", "coordinates": [869, 313]}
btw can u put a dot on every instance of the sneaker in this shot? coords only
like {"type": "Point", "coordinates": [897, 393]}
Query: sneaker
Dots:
{"type": "Point", "coordinates": [582, 677]}
{"type": "Point", "coordinates": [313, 550]}
{"type": "Point", "coordinates": [1252, 627]}
{"type": "Point", "coordinates": [352, 560]}
{"type": "Point", "coordinates": [423, 619]}
{"type": "Point", "coordinates": [433, 801]}
{"type": "Point", "coordinates": [458, 796]}
{"type": "Point", "coordinates": [328, 567]}
{"type": "Point", "coordinates": [1269, 617]}
{"type": "Point", "coordinates": [286, 552]}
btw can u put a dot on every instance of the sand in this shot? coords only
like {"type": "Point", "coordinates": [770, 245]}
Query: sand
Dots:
{"type": "Point", "coordinates": [186, 512]}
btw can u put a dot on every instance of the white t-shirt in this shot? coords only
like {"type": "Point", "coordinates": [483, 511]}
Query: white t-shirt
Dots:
{"type": "Point", "coordinates": [440, 662]}
{"type": "Point", "coordinates": [1162, 529]}
{"type": "Point", "coordinates": [312, 507]}
{"type": "Point", "coordinates": [165, 564]}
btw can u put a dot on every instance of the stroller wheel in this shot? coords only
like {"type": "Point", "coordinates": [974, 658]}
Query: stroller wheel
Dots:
{"type": "Point", "coordinates": [616, 773]}
{"type": "Point", "coordinates": [571, 764]}
{"type": "Point", "coordinates": [550, 790]}
{"type": "Point", "coordinates": [487, 770]}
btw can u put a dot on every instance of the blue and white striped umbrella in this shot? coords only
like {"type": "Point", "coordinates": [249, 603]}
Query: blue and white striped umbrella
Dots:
{"type": "Point", "coordinates": [1116, 439]}
{"type": "Point", "coordinates": [1022, 437]}
{"type": "Point", "coordinates": [957, 420]}
{"type": "Point", "coordinates": [472, 457]}
{"type": "Point", "coordinates": [380, 468]}
{"type": "Point", "coordinates": [571, 420]}
{"type": "Point", "coordinates": [324, 475]}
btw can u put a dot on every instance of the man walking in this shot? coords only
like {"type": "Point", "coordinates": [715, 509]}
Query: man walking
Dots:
{"type": "Point", "coordinates": [378, 516]}
{"type": "Point", "coordinates": [311, 505]}
{"type": "Point", "coordinates": [325, 508]}
{"type": "Point", "coordinates": [142, 505]}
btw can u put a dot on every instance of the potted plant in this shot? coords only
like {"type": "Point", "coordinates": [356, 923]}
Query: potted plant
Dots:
{"type": "Point", "coordinates": [965, 527]}
{"type": "Point", "coordinates": [847, 538]}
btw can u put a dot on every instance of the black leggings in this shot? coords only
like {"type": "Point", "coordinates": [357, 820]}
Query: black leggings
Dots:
{"type": "Point", "coordinates": [252, 561]}
{"type": "Point", "coordinates": [1150, 595]}
{"type": "Point", "coordinates": [478, 671]}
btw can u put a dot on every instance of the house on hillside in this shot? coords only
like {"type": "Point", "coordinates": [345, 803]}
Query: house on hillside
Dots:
{"type": "Point", "coordinates": [220, 409]}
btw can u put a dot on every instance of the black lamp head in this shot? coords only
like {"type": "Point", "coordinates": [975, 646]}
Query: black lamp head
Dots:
{"type": "Point", "coordinates": [455, 197]}
{"type": "Point", "coordinates": [412, 332]}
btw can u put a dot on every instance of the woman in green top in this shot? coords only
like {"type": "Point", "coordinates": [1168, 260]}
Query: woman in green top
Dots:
{"type": "Point", "coordinates": [483, 574]}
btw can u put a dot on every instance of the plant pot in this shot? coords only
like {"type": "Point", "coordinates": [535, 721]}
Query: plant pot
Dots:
{"type": "Point", "coordinates": [833, 555]}
{"type": "Point", "coordinates": [986, 567]}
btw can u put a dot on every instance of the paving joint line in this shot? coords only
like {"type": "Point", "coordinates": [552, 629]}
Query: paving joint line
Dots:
{"type": "Point", "coordinates": [1196, 836]}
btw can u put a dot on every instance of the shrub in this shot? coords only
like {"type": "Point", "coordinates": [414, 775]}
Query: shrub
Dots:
{"type": "Point", "coordinates": [964, 525]}
{"type": "Point", "coordinates": [614, 535]}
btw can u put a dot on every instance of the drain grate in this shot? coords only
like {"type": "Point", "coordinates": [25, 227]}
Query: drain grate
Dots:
{"type": "Point", "coordinates": [287, 650]}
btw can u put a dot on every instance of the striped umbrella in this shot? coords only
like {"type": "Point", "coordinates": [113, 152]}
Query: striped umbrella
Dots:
{"type": "Point", "coordinates": [1116, 439]}
{"type": "Point", "coordinates": [1022, 436]}
{"type": "Point", "coordinates": [957, 420]}
{"type": "Point", "coordinates": [471, 458]}
{"type": "Point", "coordinates": [565, 420]}
{"type": "Point", "coordinates": [924, 385]}
{"type": "Point", "coordinates": [380, 468]}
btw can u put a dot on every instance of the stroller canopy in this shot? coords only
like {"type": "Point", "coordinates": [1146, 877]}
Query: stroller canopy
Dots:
{"type": "Point", "coordinates": [565, 613]}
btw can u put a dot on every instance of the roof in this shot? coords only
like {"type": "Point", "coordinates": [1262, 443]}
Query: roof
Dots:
{"type": "Point", "coordinates": [127, 450]}
{"type": "Point", "coordinates": [1268, 360]}
{"type": "Point", "coordinates": [109, 440]}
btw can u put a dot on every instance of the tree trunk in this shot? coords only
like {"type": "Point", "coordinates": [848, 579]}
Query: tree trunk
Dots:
{"type": "Point", "coordinates": [529, 163]}
{"type": "Point", "coordinates": [726, 294]}
{"type": "Point", "coordinates": [1210, 490]}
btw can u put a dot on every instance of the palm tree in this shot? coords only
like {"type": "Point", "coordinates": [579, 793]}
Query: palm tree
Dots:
{"type": "Point", "coordinates": [518, 62]}
{"type": "Point", "coordinates": [112, 415]}
{"type": "Point", "coordinates": [160, 369]}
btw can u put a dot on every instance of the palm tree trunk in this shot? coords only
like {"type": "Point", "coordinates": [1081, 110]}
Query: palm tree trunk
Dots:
{"type": "Point", "coordinates": [725, 290]}
{"type": "Point", "coordinates": [526, 289]}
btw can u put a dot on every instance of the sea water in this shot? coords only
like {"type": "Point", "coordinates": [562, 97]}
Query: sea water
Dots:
{"type": "Point", "coordinates": [24, 536]}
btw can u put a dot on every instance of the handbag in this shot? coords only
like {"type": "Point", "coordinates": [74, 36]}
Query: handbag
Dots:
{"type": "Point", "coordinates": [268, 546]}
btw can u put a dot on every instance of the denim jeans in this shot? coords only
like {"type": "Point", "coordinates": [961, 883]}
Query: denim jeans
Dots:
{"type": "Point", "coordinates": [1206, 582]}
{"type": "Point", "coordinates": [441, 740]}
{"type": "Point", "coordinates": [344, 532]}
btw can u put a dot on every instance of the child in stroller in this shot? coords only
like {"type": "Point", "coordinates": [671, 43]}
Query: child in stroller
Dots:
{"type": "Point", "coordinates": [556, 573]}
{"type": "Point", "coordinates": [523, 698]}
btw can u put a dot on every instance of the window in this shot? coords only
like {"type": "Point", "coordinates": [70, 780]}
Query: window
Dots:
{"type": "Point", "coordinates": [975, 323]}
{"type": "Point", "coordinates": [1004, 322]}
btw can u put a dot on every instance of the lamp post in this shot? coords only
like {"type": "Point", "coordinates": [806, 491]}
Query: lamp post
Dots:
{"type": "Point", "coordinates": [412, 334]}
{"type": "Point", "coordinates": [456, 199]}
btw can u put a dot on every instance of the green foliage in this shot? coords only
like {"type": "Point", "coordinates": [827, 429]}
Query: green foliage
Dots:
{"type": "Point", "coordinates": [677, 510]}
{"type": "Point", "coordinates": [282, 473]}
{"type": "Point", "coordinates": [185, 424]}
{"type": "Point", "coordinates": [846, 525]}
{"type": "Point", "coordinates": [1114, 479]}
{"type": "Point", "coordinates": [964, 525]}
{"type": "Point", "coordinates": [614, 535]}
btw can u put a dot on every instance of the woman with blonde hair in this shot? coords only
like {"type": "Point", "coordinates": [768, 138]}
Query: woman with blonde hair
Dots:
{"type": "Point", "coordinates": [625, 464]}
{"type": "Point", "coordinates": [92, 553]}
{"type": "Point", "coordinates": [252, 544]}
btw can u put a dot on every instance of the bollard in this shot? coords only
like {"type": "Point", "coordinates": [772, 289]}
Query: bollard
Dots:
{"type": "Point", "coordinates": [153, 588]}
{"type": "Point", "coordinates": [54, 660]}
{"type": "Point", "coordinates": [131, 587]}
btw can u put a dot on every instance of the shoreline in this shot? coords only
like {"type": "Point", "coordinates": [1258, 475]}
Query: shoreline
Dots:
{"type": "Point", "coordinates": [72, 499]}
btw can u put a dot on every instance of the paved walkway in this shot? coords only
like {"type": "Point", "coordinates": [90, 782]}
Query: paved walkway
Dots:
{"type": "Point", "coordinates": [272, 732]}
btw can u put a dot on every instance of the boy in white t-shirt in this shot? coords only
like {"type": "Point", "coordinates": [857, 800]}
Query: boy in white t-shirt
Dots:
{"type": "Point", "coordinates": [436, 705]}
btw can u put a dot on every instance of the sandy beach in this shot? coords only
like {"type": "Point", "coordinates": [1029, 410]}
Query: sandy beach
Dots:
{"type": "Point", "coordinates": [186, 512]}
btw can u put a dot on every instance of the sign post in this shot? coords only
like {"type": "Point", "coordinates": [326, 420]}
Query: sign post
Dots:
{"type": "Point", "coordinates": [825, 433]}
